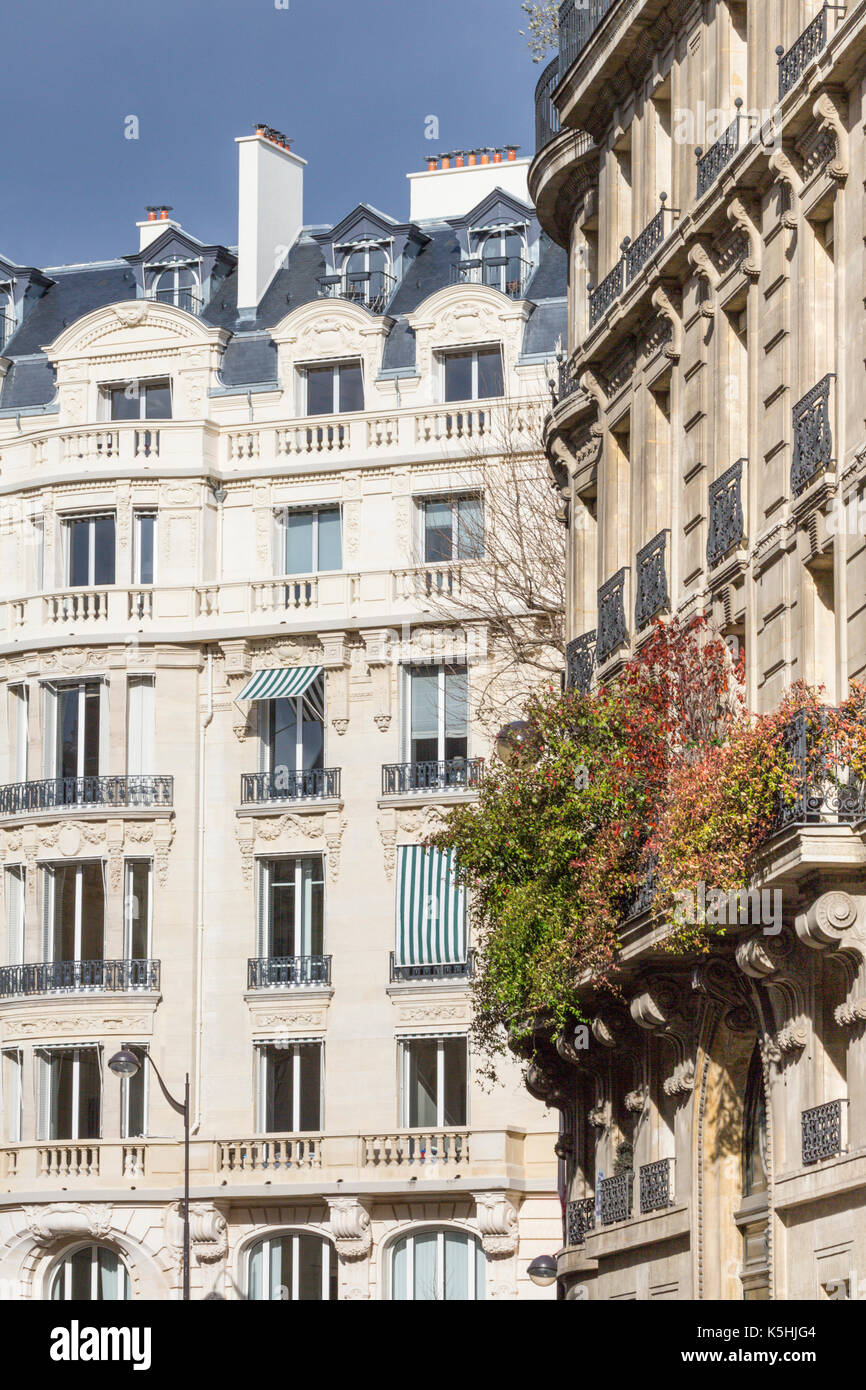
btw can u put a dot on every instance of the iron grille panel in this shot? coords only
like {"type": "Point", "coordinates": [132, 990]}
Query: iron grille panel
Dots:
{"type": "Point", "coordinates": [727, 523]}
{"type": "Point", "coordinates": [652, 595]}
{"type": "Point", "coordinates": [578, 21]}
{"type": "Point", "coordinates": [579, 1220]}
{"type": "Point", "coordinates": [257, 787]}
{"type": "Point", "coordinates": [827, 791]}
{"type": "Point", "coordinates": [644, 246]}
{"type": "Point", "coordinates": [611, 630]}
{"type": "Point", "coordinates": [580, 662]}
{"type": "Point", "coordinates": [822, 1131]}
{"type": "Point", "coordinates": [813, 435]}
{"type": "Point", "coordinates": [451, 775]}
{"type": "Point", "coordinates": [614, 1199]}
{"type": "Point", "coordinates": [798, 57]}
{"type": "Point", "coordinates": [452, 970]}
{"type": "Point", "coordinates": [546, 114]}
{"type": "Point", "coordinates": [711, 164]}
{"type": "Point", "coordinates": [605, 294]}
{"type": "Point", "coordinates": [655, 1186]}
{"type": "Point", "coordinates": [273, 972]}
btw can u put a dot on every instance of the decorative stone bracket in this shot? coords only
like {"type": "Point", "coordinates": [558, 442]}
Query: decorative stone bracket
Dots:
{"type": "Point", "coordinates": [350, 1223]}
{"type": "Point", "coordinates": [335, 660]}
{"type": "Point", "coordinates": [829, 111]}
{"type": "Point", "coordinates": [378, 658]}
{"type": "Point", "coordinates": [497, 1223]}
{"type": "Point", "coordinates": [740, 216]}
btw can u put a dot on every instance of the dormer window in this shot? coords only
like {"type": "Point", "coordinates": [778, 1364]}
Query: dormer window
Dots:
{"type": "Point", "coordinates": [500, 261]}
{"type": "Point", "coordinates": [178, 284]}
{"type": "Point", "coordinates": [364, 277]}
{"type": "Point", "coordinates": [7, 316]}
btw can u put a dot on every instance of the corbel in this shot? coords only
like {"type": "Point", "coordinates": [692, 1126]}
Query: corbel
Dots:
{"type": "Point", "coordinates": [740, 216]}
{"type": "Point", "coordinates": [830, 111]}
{"type": "Point", "coordinates": [237, 669]}
{"type": "Point", "coordinates": [378, 657]}
{"type": "Point", "coordinates": [667, 302]}
{"type": "Point", "coordinates": [703, 267]}
{"type": "Point", "coordinates": [784, 171]}
{"type": "Point", "coordinates": [335, 661]}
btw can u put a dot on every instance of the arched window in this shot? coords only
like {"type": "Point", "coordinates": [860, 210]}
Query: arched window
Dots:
{"type": "Point", "coordinates": [178, 285]}
{"type": "Point", "coordinates": [503, 262]}
{"type": "Point", "coordinates": [755, 1130]}
{"type": "Point", "coordinates": [367, 278]}
{"type": "Point", "coordinates": [93, 1273]}
{"type": "Point", "coordinates": [438, 1266]}
{"type": "Point", "coordinates": [299, 1268]}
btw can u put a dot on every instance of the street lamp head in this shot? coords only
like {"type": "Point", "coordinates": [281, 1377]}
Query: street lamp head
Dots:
{"type": "Point", "coordinates": [124, 1063]}
{"type": "Point", "coordinates": [542, 1271]}
{"type": "Point", "coordinates": [515, 744]}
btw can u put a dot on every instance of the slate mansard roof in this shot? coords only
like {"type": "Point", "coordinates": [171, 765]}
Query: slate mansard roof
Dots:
{"type": "Point", "coordinates": [250, 359]}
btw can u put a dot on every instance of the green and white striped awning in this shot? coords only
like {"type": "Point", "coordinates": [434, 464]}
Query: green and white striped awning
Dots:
{"type": "Point", "coordinates": [431, 908]}
{"type": "Point", "coordinates": [280, 684]}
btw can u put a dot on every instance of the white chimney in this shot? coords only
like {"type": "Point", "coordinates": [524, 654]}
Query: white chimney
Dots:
{"type": "Point", "coordinates": [270, 211]}
{"type": "Point", "coordinates": [154, 225]}
{"type": "Point", "coordinates": [453, 184]}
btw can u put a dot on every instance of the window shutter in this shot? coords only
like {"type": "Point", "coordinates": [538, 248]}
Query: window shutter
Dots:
{"type": "Point", "coordinates": [49, 738]}
{"type": "Point", "coordinates": [140, 754]}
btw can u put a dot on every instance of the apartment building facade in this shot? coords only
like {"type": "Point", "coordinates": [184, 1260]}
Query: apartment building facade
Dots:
{"type": "Point", "coordinates": [241, 488]}
{"type": "Point", "coordinates": [702, 164]}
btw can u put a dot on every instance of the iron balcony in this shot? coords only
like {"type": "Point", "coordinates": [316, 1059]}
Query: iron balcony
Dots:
{"type": "Point", "coordinates": [76, 976]}
{"type": "Point", "coordinates": [288, 972]}
{"type": "Point", "coordinates": [452, 970]}
{"type": "Point", "coordinates": [258, 788]}
{"type": "Point", "coordinates": [58, 792]}
{"type": "Point", "coordinates": [449, 775]}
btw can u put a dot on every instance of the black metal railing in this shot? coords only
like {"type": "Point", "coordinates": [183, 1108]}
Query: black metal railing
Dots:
{"type": "Point", "coordinates": [614, 1199]}
{"type": "Point", "coordinates": [579, 1220]}
{"type": "Point", "coordinates": [185, 298]}
{"type": "Point", "coordinates": [798, 57]}
{"type": "Point", "coordinates": [636, 253]}
{"type": "Point", "coordinates": [510, 274]}
{"type": "Point", "coordinates": [567, 380]}
{"type": "Point", "coordinates": [372, 288]}
{"type": "Point", "coordinates": [711, 163]}
{"type": "Point", "coordinates": [56, 792]}
{"type": "Point", "coordinates": [285, 785]}
{"type": "Point", "coordinates": [580, 663]}
{"type": "Point", "coordinates": [288, 972]}
{"type": "Point", "coordinates": [813, 435]}
{"type": "Point", "coordinates": [727, 523]}
{"type": "Point", "coordinates": [644, 895]}
{"type": "Point", "coordinates": [70, 976]}
{"type": "Point", "coordinates": [822, 1131]}
{"type": "Point", "coordinates": [611, 630]}
{"type": "Point", "coordinates": [827, 791]}
{"type": "Point", "coordinates": [451, 970]}
{"type": "Point", "coordinates": [546, 114]}
{"type": "Point", "coordinates": [651, 581]}
{"type": "Point", "coordinates": [449, 775]}
{"type": "Point", "coordinates": [608, 292]}
{"type": "Point", "coordinates": [578, 21]}
{"type": "Point", "coordinates": [656, 1187]}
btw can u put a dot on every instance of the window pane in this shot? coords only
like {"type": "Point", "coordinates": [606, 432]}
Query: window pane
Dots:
{"type": "Point", "coordinates": [92, 912]}
{"type": "Point", "coordinates": [330, 546]}
{"type": "Point", "coordinates": [311, 1086]}
{"type": "Point", "coordinates": [281, 1261]}
{"type": "Point", "coordinates": [80, 1273]}
{"type": "Point", "coordinates": [426, 1284]}
{"type": "Point", "coordinates": [278, 1111]}
{"type": "Point", "coordinates": [456, 1281]}
{"type": "Point", "coordinates": [284, 737]}
{"type": "Point", "coordinates": [456, 704]}
{"type": "Point", "coordinates": [103, 550]}
{"type": "Point", "coordinates": [59, 1070]}
{"type": "Point", "coordinates": [438, 544]}
{"type": "Point", "coordinates": [399, 1272]}
{"type": "Point", "coordinates": [89, 766]}
{"type": "Point", "coordinates": [470, 529]}
{"type": "Point", "coordinates": [422, 1082]}
{"type": "Point", "coordinates": [63, 944]}
{"type": "Point", "coordinates": [126, 402]}
{"type": "Point", "coordinates": [351, 388]}
{"type": "Point", "coordinates": [320, 391]}
{"type": "Point", "coordinates": [311, 1256]}
{"type": "Point", "coordinates": [299, 543]}
{"type": "Point", "coordinates": [89, 1093]}
{"type": "Point", "coordinates": [157, 400]}
{"type": "Point", "coordinates": [454, 1111]}
{"type": "Point", "coordinates": [135, 1105]}
{"type": "Point", "coordinates": [145, 541]}
{"type": "Point", "coordinates": [458, 376]}
{"type": "Point", "coordinates": [281, 940]}
{"type": "Point", "coordinates": [137, 908]}
{"type": "Point", "coordinates": [256, 1267]}
{"type": "Point", "coordinates": [67, 730]}
{"type": "Point", "coordinates": [490, 380]}
{"type": "Point", "coordinates": [424, 707]}
{"type": "Point", "coordinates": [79, 552]}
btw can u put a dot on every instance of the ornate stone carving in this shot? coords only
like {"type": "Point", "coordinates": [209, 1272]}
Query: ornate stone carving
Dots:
{"type": "Point", "coordinates": [497, 1223]}
{"type": "Point", "coordinates": [350, 1223]}
{"type": "Point", "coordinates": [635, 1101]}
{"type": "Point", "coordinates": [827, 921]}
{"type": "Point", "coordinates": [829, 111]}
{"type": "Point", "coordinates": [851, 1013]}
{"type": "Point", "coordinates": [741, 217]}
{"type": "Point", "coordinates": [682, 1079]}
{"type": "Point", "coordinates": [598, 1116]}
{"type": "Point", "coordinates": [59, 1220]}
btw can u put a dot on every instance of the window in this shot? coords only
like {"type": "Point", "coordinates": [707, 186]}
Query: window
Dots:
{"type": "Point", "coordinates": [19, 730]}
{"type": "Point", "coordinates": [13, 1093]}
{"type": "Point", "coordinates": [141, 400]}
{"type": "Point", "coordinates": [90, 550]}
{"type": "Point", "coordinates": [439, 713]}
{"type": "Point", "coordinates": [140, 731]}
{"type": "Point", "coordinates": [15, 901]}
{"type": "Point", "coordinates": [293, 732]}
{"type": "Point", "coordinates": [137, 909]}
{"type": "Point", "coordinates": [74, 912]}
{"type": "Point", "coordinates": [473, 376]}
{"type": "Point", "coordinates": [291, 907]}
{"type": "Point", "coordinates": [335, 389]}
{"type": "Point", "coordinates": [755, 1130]}
{"type": "Point", "coordinates": [178, 285]}
{"type": "Point", "coordinates": [433, 1078]}
{"type": "Point", "coordinates": [440, 1266]}
{"type": "Point", "coordinates": [92, 1274]}
{"type": "Point", "coordinates": [366, 277]}
{"type": "Point", "coordinates": [70, 1096]}
{"type": "Point", "coordinates": [298, 1268]}
{"type": "Point", "coordinates": [453, 529]}
{"type": "Point", "coordinates": [144, 548]}
{"type": "Point", "coordinates": [133, 1099]}
{"type": "Point", "coordinates": [75, 731]}
{"type": "Point", "coordinates": [7, 317]}
{"type": "Point", "coordinates": [503, 264]}
{"type": "Point", "coordinates": [313, 540]}
{"type": "Point", "coordinates": [290, 1087]}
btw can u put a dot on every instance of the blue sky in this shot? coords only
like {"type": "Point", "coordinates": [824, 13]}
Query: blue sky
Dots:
{"type": "Point", "coordinates": [351, 83]}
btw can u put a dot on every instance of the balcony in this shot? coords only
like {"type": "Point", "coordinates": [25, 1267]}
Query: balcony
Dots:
{"type": "Point", "coordinates": [455, 970]}
{"type": "Point", "coordinates": [637, 253]}
{"type": "Point", "coordinates": [546, 114]}
{"type": "Point", "coordinates": [509, 274]}
{"type": "Point", "coordinates": [449, 775]}
{"type": "Point", "coordinates": [656, 1185]}
{"type": "Point", "coordinates": [79, 977]}
{"type": "Point", "coordinates": [607, 293]}
{"type": "Point", "coordinates": [651, 582]}
{"type": "Point", "coordinates": [371, 288]}
{"type": "Point", "coordinates": [580, 663]}
{"type": "Point", "coordinates": [614, 1199]}
{"type": "Point", "coordinates": [579, 1220]}
{"type": "Point", "coordinates": [578, 21]}
{"type": "Point", "coordinates": [727, 523]}
{"type": "Point", "coordinates": [288, 972]}
{"type": "Point", "coordinates": [824, 1131]}
{"type": "Point", "coordinates": [141, 792]}
{"type": "Point", "coordinates": [813, 436]}
{"type": "Point", "coordinates": [262, 788]}
{"type": "Point", "coordinates": [611, 630]}
{"type": "Point", "coordinates": [827, 791]}
{"type": "Point", "coordinates": [813, 39]}
{"type": "Point", "coordinates": [645, 892]}
{"type": "Point", "coordinates": [189, 298]}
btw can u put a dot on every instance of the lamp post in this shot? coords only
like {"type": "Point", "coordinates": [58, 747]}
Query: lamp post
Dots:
{"type": "Point", "coordinates": [126, 1063]}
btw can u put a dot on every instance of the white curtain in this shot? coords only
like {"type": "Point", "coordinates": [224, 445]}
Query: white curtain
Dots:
{"type": "Point", "coordinates": [140, 726]}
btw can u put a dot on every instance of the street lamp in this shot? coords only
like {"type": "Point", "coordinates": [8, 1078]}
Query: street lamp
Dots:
{"type": "Point", "coordinates": [126, 1063]}
{"type": "Point", "coordinates": [542, 1271]}
{"type": "Point", "coordinates": [515, 743]}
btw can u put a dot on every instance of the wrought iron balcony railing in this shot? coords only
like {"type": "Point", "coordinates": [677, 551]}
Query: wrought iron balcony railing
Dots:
{"type": "Point", "coordinates": [283, 785]}
{"type": "Point", "coordinates": [614, 1199]}
{"type": "Point", "coordinates": [656, 1185]}
{"type": "Point", "coordinates": [449, 775]}
{"type": "Point", "coordinates": [567, 380]}
{"type": "Point", "coordinates": [813, 39]}
{"type": "Point", "coordinates": [58, 792]}
{"type": "Point", "coordinates": [580, 662]}
{"type": "Point", "coordinates": [823, 1131]}
{"type": "Point", "coordinates": [184, 298]}
{"type": "Point", "coordinates": [727, 524]}
{"type": "Point", "coordinates": [712, 162]}
{"type": "Point", "coordinates": [546, 114]}
{"type": "Point", "coordinates": [510, 274]}
{"type": "Point", "coordinates": [611, 630]}
{"type": "Point", "coordinates": [288, 972]}
{"type": "Point", "coordinates": [372, 288]}
{"type": "Point", "coordinates": [608, 292]}
{"type": "Point", "coordinates": [651, 581]}
{"type": "Point", "coordinates": [578, 21]}
{"type": "Point", "coordinates": [813, 435]}
{"type": "Point", "coordinates": [579, 1220]}
{"type": "Point", "coordinates": [452, 970]}
{"type": "Point", "coordinates": [74, 976]}
{"type": "Point", "coordinates": [645, 892]}
{"type": "Point", "coordinates": [636, 253]}
{"type": "Point", "coordinates": [827, 791]}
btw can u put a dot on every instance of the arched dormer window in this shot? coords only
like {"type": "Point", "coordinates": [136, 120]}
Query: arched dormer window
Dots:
{"type": "Point", "coordinates": [366, 276]}
{"type": "Point", "coordinates": [7, 315]}
{"type": "Point", "coordinates": [90, 1274]}
{"type": "Point", "coordinates": [179, 285]}
{"type": "Point", "coordinates": [504, 263]}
